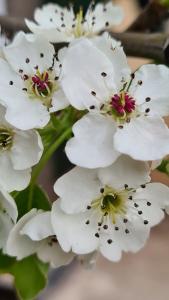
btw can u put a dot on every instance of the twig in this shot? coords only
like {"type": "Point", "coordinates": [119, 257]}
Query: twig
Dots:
{"type": "Point", "coordinates": [10, 25]}
{"type": "Point", "coordinates": [151, 19]}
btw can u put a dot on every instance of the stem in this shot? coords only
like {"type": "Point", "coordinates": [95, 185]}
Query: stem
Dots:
{"type": "Point", "coordinates": [46, 156]}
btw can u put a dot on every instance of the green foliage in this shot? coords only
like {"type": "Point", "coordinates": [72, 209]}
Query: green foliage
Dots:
{"type": "Point", "coordinates": [39, 200]}
{"type": "Point", "coordinates": [30, 275]}
{"type": "Point", "coordinates": [164, 2]}
{"type": "Point", "coordinates": [164, 167]}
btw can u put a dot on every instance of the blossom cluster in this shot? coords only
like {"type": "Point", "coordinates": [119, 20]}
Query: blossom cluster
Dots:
{"type": "Point", "coordinates": [106, 203]}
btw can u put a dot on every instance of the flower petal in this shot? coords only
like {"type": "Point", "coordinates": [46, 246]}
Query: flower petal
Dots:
{"type": "Point", "coordinates": [59, 101]}
{"type": "Point", "coordinates": [21, 245]}
{"type": "Point", "coordinates": [12, 179]}
{"type": "Point", "coordinates": [53, 254]}
{"type": "Point", "coordinates": [38, 227]}
{"type": "Point", "coordinates": [154, 86]}
{"type": "Point", "coordinates": [92, 145]}
{"type": "Point", "coordinates": [77, 189]}
{"type": "Point", "coordinates": [8, 205]}
{"type": "Point", "coordinates": [5, 228]}
{"type": "Point", "coordinates": [25, 54]}
{"type": "Point", "coordinates": [81, 75]}
{"type": "Point", "coordinates": [111, 250]}
{"type": "Point", "coordinates": [106, 16]}
{"type": "Point", "coordinates": [27, 149]}
{"type": "Point", "coordinates": [72, 231]}
{"type": "Point", "coordinates": [125, 170]}
{"type": "Point", "coordinates": [144, 138]}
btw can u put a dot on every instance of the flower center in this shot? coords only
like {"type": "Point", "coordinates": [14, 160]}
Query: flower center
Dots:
{"type": "Point", "coordinates": [121, 107]}
{"type": "Point", "coordinates": [111, 203]}
{"type": "Point", "coordinates": [78, 26]}
{"type": "Point", "coordinates": [42, 85]}
{"type": "Point", "coordinates": [6, 139]}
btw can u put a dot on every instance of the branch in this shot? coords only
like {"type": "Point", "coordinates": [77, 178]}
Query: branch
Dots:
{"type": "Point", "coordinates": [154, 46]}
{"type": "Point", "coordinates": [10, 25]}
{"type": "Point", "coordinates": [151, 19]}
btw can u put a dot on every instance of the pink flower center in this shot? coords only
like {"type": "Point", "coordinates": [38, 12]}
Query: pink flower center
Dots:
{"type": "Point", "coordinates": [123, 104]}
{"type": "Point", "coordinates": [41, 84]}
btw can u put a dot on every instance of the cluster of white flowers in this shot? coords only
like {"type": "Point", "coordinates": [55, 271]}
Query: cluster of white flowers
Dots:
{"type": "Point", "coordinates": [107, 202]}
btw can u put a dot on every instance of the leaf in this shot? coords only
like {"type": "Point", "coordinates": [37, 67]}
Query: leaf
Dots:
{"type": "Point", "coordinates": [39, 200]}
{"type": "Point", "coordinates": [5, 262]}
{"type": "Point", "coordinates": [164, 167]}
{"type": "Point", "coordinates": [30, 276]}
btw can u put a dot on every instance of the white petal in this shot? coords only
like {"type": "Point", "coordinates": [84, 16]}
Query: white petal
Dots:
{"type": "Point", "coordinates": [92, 145]}
{"type": "Point", "coordinates": [108, 13]}
{"type": "Point", "coordinates": [155, 86]}
{"type": "Point", "coordinates": [51, 34]}
{"type": "Point", "coordinates": [38, 227]}
{"type": "Point", "coordinates": [144, 138]}
{"type": "Point", "coordinates": [125, 170]}
{"type": "Point", "coordinates": [21, 245]}
{"type": "Point", "coordinates": [136, 237]}
{"type": "Point", "coordinates": [156, 193]}
{"type": "Point", "coordinates": [12, 179]}
{"type": "Point", "coordinates": [18, 53]}
{"type": "Point", "coordinates": [110, 251]}
{"type": "Point", "coordinates": [81, 74]}
{"type": "Point", "coordinates": [27, 149]}
{"type": "Point", "coordinates": [72, 231]}
{"type": "Point", "coordinates": [7, 203]}
{"type": "Point", "coordinates": [59, 101]}
{"type": "Point", "coordinates": [52, 253]}
{"type": "Point", "coordinates": [5, 228]}
{"type": "Point", "coordinates": [77, 189]}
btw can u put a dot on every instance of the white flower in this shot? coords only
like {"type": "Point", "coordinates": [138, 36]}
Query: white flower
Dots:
{"type": "Point", "coordinates": [59, 24]}
{"type": "Point", "coordinates": [109, 209]}
{"type": "Point", "coordinates": [34, 234]}
{"type": "Point", "coordinates": [8, 217]}
{"type": "Point", "coordinates": [19, 151]}
{"type": "Point", "coordinates": [125, 109]}
{"type": "Point", "coordinates": [29, 82]}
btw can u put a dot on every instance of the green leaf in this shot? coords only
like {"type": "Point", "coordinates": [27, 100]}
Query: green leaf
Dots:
{"type": "Point", "coordinates": [39, 200]}
{"type": "Point", "coordinates": [5, 262]}
{"type": "Point", "coordinates": [164, 167]}
{"type": "Point", "coordinates": [29, 277]}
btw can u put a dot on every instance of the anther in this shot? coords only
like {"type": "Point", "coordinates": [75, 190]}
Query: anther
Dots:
{"type": "Point", "coordinates": [92, 107]}
{"type": "Point", "coordinates": [136, 205]}
{"type": "Point", "coordinates": [132, 75]}
{"type": "Point", "coordinates": [20, 71]}
{"type": "Point", "coordinates": [145, 222]}
{"type": "Point", "coordinates": [11, 82]}
{"type": "Point", "coordinates": [87, 222]}
{"type": "Point", "coordinates": [126, 186]}
{"type": "Point", "coordinates": [93, 93]}
{"type": "Point", "coordinates": [140, 82]}
{"type": "Point", "coordinates": [88, 207]}
{"type": "Point", "coordinates": [27, 60]}
{"type": "Point", "coordinates": [140, 212]}
{"type": "Point", "coordinates": [97, 235]}
{"type": "Point", "coordinates": [103, 74]}
{"type": "Point", "coordinates": [130, 198]}
{"type": "Point", "coordinates": [109, 241]}
{"type": "Point", "coordinates": [24, 89]}
{"type": "Point", "coordinates": [143, 186]}
{"type": "Point", "coordinates": [102, 190]}
{"type": "Point", "coordinates": [120, 126]}
{"type": "Point", "coordinates": [107, 24]}
{"type": "Point", "coordinates": [127, 231]}
{"type": "Point", "coordinates": [116, 228]}
{"type": "Point", "coordinates": [125, 220]}
{"type": "Point", "coordinates": [148, 99]}
{"type": "Point", "coordinates": [147, 110]}
{"type": "Point", "coordinates": [148, 203]}
{"type": "Point", "coordinates": [105, 227]}
{"type": "Point", "coordinates": [25, 77]}
{"type": "Point", "coordinates": [41, 55]}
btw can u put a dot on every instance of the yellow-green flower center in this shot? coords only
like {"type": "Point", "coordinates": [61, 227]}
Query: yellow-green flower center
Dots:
{"type": "Point", "coordinates": [6, 139]}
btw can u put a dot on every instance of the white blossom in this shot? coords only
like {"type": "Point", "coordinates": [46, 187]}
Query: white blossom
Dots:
{"type": "Point", "coordinates": [59, 24]}
{"type": "Point", "coordinates": [29, 82]}
{"type": "Point", "coordinates": [108, 209]}
{"type": "Point", "coordinates": [34, 234]}
{"type": "Point", "coordinates": [125, 109]}
{"type": "Point", "coordinates": [19, 151]}
{"type": "Point", "coordinates": [8, 217]}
